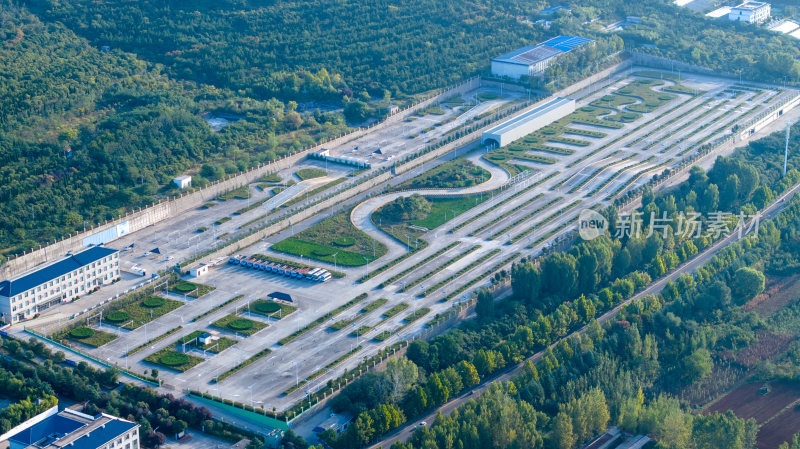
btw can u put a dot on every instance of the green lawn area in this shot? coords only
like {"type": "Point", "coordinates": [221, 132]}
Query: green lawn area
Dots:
{"type": "Point", "coordinates": [272, 309]}
{"type": "Point", "coordinates": [334, 235]}
{"type": "Point", "coordinates": [239, 325]}
{"type": "Point", "coordinates": [137, 313]}
{"type": "Point", "coordinates": [89, 336]}
{"type": "Point", "coordinates": [271, 178]}
{"type": "Point", "coordinates": [308, 173]}
{"type": "Point", "coordinates": [216, 347]}
{"type": "Point", "coordinates": [395, 310]}
{"type": "Point", "coordinates": [240, 194]}
{"type": "Point", "coordinates": [172, 359]}
{"type": "Point", "coordinates": [448, 175]}
{"type": "Point", "coordinates": [192, 289]}
{"type": "Point", "coordinates": [443, 209]}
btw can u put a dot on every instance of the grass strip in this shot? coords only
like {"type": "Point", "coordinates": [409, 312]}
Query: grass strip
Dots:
{"type": "Point", "coordinates": [152, 341]}
{"type": "Point", "coordinates": [241, 365]}
{"type": "Point", "coordinates": [322, 371]}
{"type": "Point", "coordinates": [415, 266]}
{"type": "Point", "coordinates": [322, 319]}
{"type": "Point", "coordinates": [699, 117]}
{"type": "Point", "coordinates": [479, 278]}
{"type": "Point", "coordinates": [341, 324]}
{"type": "Point", "coordinates": [462, 271]}
{"type": "Point", "coordinates": [618, 174]}
{"type": "Point", "coordinates": [544, 222]}
{"type": "Point", "coordinates": [497, 219]}
{"type": "Point", "coordinates": [439, 268]}
{"type": "Point", "coordinates": [503, 203]}
{"type": "Point", "coordinates": [635, 177]}
{"type": "Point", "coordinates": [205, 314]}
{"type": "Point", "coordinates": [595, 174]}
{"type": "Point", "coordinates": [526, 217]}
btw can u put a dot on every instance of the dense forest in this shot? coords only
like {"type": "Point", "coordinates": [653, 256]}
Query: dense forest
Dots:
{"type": "Point", "coordinates": [86, 134]}
{"type": "Point", "coordinates": [643, 370]}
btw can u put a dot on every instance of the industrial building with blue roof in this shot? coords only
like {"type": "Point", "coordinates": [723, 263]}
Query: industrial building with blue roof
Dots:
{"type": "Point", "coordinates": [533, 60]}
{"type": "Point", "coordinates": [24, 296]}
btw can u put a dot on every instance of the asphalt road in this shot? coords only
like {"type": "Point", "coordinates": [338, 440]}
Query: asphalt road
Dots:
{"type": "Point", "coordinates": [403, 433]}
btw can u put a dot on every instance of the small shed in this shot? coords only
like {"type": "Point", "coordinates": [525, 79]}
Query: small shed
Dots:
{"type": "Point", "coordinates": [200, 270]}
{"type": "Point", "coordinates": [281, 296]}
{"type": "Point", "coordinates": [183, 181]}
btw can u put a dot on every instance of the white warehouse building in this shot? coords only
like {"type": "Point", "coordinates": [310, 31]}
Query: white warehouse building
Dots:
{"type": "Point", "coordinates": [530, 61]}
{"type": "Point", "coordinates": [750, 12]}
{"type": "Point", "coordinates": [524, 124]}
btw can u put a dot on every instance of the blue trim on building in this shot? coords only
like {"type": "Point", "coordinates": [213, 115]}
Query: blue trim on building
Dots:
{"type": "Point", "coordinates": [54, 271]}
{"type": "Point", "coordinates": [561, 44]}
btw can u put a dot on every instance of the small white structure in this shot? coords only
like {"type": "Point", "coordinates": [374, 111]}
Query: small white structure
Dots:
{"type": "Point", "coordinates": [750, 12]}
{"type": "Point", "coordinates": [524, 124]}
{"type": "Point", "coordinates": [183, 181]}
{"type": "Point", "coordinates": [200, 270]}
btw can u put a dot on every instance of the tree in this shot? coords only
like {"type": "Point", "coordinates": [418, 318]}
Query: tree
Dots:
{"type": "Point", "coordinates": [401, 374]}
{"type": "Point", "coordinates": [710, 199]}
{"type": "Point", "coordinates": [697, 365]}
{"type": "Point", "coordinates": [747, 283]}
{"type": "Point", "coordinates": [469, 374]}
{"type": "Point", "coordinates": [485, 305]}
{"type": "Point", "coordinates": [562, 436]}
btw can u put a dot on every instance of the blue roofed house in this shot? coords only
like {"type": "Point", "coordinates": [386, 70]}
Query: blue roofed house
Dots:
{"type": "Point", "coordinates": [75, 430]}
{"type": "Point", "coordinates": [533, 60]}
{"type": "Point", "coordinates": [23, 296]}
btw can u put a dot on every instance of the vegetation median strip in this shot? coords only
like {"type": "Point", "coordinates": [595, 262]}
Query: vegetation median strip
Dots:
{"type": "Point", "coordinates": [321, 371]}
{"type": "Point", "coordinates": [341, 324]}
{"type": "Point", "coordinates": [439, 269]}
{"type": "Point", "coordinates": [322, 319]}
{"type": "Point", "coordinates": [503, 215]}
{"type": "Point", "coordinates": [241, 365]}
{"type": "Point", "coordinates": [460, 272]}
{"type": "Point", "coordinates": [416, 265]}
{"type": "Point", "coordinates": [502, 203]}
{"type": "Point", "coordinates": [544, 222]}
{"type": "Point", "coordinates": [526, 217]}
{"type": "Point", "coordinates": [479, 278]}
{"type": "Point", "coordinates": [205, 314]}
{"type": "Point", "coordinates": [152, 341]}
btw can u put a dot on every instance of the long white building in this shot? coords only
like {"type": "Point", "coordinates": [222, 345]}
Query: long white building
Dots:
{"type": "Point", "coordinates": [23, 296]}
{"type": "Point", "coordinates": [524, 124]}
{"type": "Point", "coordinates": [750, 12]}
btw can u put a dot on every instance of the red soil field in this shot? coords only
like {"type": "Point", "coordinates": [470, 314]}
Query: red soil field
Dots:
{"type": "Point", "coordinates": [780, 429]}
{"type": "Point", "coordinates": [746, 403]}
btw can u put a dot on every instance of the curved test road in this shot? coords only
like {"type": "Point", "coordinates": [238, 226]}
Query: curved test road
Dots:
{"type": "Point", "coordinates": [362, 213]}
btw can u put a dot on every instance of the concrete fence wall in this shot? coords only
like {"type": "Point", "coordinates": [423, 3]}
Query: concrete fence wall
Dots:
{"type": "Point", "coordinates": [168, 208]}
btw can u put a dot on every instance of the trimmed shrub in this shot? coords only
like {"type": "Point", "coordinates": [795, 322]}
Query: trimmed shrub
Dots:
{"type": "Point", "coordinates": [174, 359]}
{"type": "Point", "coordinates": [344, 241]}
{"type": "Point", "coordinates": [184, 287]}
{"type": "Point", "coordinates": [118, 316]}
{"type": "Point", "coordinates": [322, 251]}
{"type": "Point", "coordinates": [240, 324]}
{"type": "Point", "coordinates": [82, 332]}
{"type": "Point", "coordinates": [153, 302]}
{"type": "Point", "coordinates": [266, 307]}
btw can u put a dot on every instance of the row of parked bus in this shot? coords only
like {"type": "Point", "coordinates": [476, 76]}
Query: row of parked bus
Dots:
{"type": "Point", "coordinates": [314, 274]}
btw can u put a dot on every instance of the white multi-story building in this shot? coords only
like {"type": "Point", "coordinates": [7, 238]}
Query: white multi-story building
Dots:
{"type": "Point", "coordinates": [750, 12]}
{"type": "Point", "coordinates": [22, 297]}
